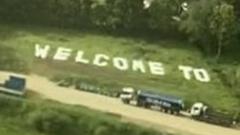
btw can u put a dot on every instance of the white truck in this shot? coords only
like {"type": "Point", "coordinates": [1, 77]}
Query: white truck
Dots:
{"type": "Point", "coordinates": [201, 112]}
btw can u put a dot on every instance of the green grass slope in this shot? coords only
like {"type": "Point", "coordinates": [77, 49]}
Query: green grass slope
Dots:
{"type": "Point", "coordinates": [41, 117]}
{"type": "Point", "coordinates": [170, 53]}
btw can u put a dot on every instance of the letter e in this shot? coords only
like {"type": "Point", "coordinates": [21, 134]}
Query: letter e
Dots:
{"type": "Point", "coordinates": [62, 54]}
{"type": "Point", "coordinates": [156, 68]}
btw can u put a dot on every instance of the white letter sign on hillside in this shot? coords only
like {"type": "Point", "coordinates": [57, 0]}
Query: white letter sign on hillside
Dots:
{"type": "Point", "coordinates": [137, 65]}
{"type": "Point", "coordinates": [120, 63]}
{"type": "Point", "coordinates": [79, 58]}
{"type": "Point", "coordinates": [187, 71]}
{"type": "Point", "coordinates": [156, 68]}
{"type": "Point", "coordinates": [101, 60]}
{"type": "Point", "coordinates": [199, 74]}
{"type": "Point", "coordinates": [62, 54]}
{"type": "Point", "coordinates": [41, 52]}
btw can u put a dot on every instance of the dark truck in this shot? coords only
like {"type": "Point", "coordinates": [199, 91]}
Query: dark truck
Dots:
{"type": "Point", "coordinates": [14, 85]}
{"type": "Point", "coordinates": [147, 99]}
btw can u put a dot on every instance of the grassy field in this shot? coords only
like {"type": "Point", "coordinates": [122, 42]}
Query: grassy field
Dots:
{"type": "Point", "coordinates": [26, 117]}
{"type": "Point", "coordinates": [11, 129]}
{"type": "Point", "coordinates": [171, 53]}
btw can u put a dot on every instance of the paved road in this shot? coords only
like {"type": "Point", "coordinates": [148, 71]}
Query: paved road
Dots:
{"type": "Point", "coordinates": [156, 119]}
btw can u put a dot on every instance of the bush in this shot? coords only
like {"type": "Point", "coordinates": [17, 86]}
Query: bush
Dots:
{"type": "Point", "coordinates": [102, 130]}
{"type": "Point", "coordinates": [52, 122]}
{"type": "Point", "coordinates": [230, 78]}
{"type": "Point", "coordinates": [50, 118]}
{"type": "Point", "coordinates": [7, 103]}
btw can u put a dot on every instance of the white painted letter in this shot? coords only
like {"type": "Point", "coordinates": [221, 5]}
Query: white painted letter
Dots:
{"type": "Point", "coordinates": [79, 58]}
{"type": "Point", "coordinates": [120, 63]}
{"type": "Point", "coordinates": [156, 68]}
{"type": "Point", "coordinates": [137, 65]}
{"type": "Point", "coordinates": [98, 60]}
{"type": "Point", "coordinates": [186, 71]}
{"type": "Point", "coordinates": [41, 52]}
{"type": "Point", "coordinates": [201, 75]}
{"type": "Point", "coordinates": [62, 54]}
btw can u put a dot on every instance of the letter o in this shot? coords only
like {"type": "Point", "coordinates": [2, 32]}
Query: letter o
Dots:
{"type": "Point", "coordinates": [120, 63]}
{"type": "Point", "coordinates": [201, 75]}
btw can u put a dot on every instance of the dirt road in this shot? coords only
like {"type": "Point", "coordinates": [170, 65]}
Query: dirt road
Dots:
{"type": "Point", "coordinates": [152, 118]}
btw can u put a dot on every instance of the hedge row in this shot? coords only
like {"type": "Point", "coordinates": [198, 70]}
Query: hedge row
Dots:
{"type": "Point", "coordinates": [90, 85]}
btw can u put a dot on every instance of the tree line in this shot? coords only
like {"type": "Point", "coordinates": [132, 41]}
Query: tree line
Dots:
{"type": "Point", "coordinates": [211, 24]}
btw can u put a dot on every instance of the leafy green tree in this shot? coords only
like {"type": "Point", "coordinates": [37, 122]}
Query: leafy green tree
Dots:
{"type": "Point", "coordinates": [210, 24]}
{"type": "Point", "coordinates": [125, 14]}
{"type": "Point", "coordinates": [196, 25]}
{"type": "Point", "coordinates": [160, 15]}
{"type": "Point", "coordinates": [236, 4]}
{"type": "Point", "coordinates": [222, 24]}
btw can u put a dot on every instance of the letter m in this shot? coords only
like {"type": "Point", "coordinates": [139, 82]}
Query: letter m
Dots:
{"type": "Point", "coordinates": [41, 52]}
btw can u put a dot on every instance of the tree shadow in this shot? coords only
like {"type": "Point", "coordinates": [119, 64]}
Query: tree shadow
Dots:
{"type": "Point", "coordinates": [231, 55]}
{"type": "Point", "coordinates": [6, 32]}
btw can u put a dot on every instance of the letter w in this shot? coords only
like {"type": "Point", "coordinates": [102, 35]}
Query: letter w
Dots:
{"type": "Point", "coordinates": [41, 52]}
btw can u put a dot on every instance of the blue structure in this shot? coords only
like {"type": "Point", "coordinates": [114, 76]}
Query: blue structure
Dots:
{"type": "Point", "coordinates": [167, 103]}
{"type": "Point", "coordinates": [15, 83]}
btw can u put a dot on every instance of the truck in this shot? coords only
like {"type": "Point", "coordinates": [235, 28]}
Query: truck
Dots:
{"type": "Point", "coordinates": [200, 111]}
{"type": "Point", "coordinates": [174, 105]}
{"type": "Point", "coordinates": [148, 99]}
{"type": "Point", "coordinates": [14, 85]}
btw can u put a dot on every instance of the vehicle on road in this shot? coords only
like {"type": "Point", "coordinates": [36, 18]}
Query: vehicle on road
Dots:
{"type": "Point", "coordinates": [15, 85]}
{"type": "Point", "coordinates": [147, 99]}
{"type": "Point", "coordinates": [174, 105]}
{"type": "Point", "coordinates": [201, 112]}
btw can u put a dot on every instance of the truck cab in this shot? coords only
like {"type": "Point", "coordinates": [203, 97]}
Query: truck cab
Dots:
{"type": "Point", "coordinates": [198, 109]}
{"type": "Point", "coordinates": [15, 85]}
{"type": "Point", "coordinates": [127, 95]}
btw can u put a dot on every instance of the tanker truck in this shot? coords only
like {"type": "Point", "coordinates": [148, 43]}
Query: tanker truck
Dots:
{"type": "Point", "coordinates": [148, 99]}
{"type": "Point", "coordinates": [174, 105]}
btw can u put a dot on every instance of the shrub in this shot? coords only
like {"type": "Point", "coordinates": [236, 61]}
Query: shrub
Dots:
{"type": "Point", "coordinates": [52, 118]}
{"type": "Point", "coordinates": [230, 77]}
{"type": "Point", "coordinates": [7, 103]}
{"type": "Point", "coordinates": [52, 122]}
{"type": "Point", "coordinates": [102, 130]}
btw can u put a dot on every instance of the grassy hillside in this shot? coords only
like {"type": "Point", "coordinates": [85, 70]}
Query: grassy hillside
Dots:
{"type": "Point", "coordinates": [10, 129]}
{"type": "Point", "coordinates": [171, 53]}
{"type": "Point", "coordinates": [42, 117]}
